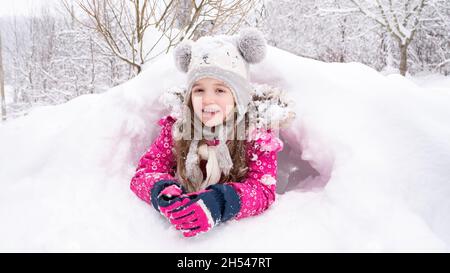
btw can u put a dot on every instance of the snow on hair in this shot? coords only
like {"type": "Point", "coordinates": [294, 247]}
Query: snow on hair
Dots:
{"type": "Point", "coordinates": [252, 45]}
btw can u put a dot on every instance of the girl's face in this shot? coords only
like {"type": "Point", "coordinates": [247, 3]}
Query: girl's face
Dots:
{"type": "Point", "coordinates": [212, 101]}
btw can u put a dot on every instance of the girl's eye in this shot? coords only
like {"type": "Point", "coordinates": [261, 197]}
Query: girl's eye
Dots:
{"type": "Point", "coordinates": [221, 91]}
{"type": "Point", "coordinates": [198, 90]}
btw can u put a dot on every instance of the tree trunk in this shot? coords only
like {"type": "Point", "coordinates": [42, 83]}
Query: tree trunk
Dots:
{"type": "Point", "coordinates": [92, 87]}
{"type": "Point", "coordinates": [403, 58]}
{"type": "Point", "coordinates": [2, 83]}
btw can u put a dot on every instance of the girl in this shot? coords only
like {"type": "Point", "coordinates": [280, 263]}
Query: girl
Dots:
{"type": "Point", "coordinates": [208, 166]}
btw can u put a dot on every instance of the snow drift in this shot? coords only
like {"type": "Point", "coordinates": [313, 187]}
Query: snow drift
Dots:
{"type": "Point", "coordinates": [366, 160]}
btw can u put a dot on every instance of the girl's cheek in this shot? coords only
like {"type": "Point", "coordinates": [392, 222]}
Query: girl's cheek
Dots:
{"type": "Point", "coordinates": [227, 109]}
{"type": "Point", "coordinates": [197, 104]}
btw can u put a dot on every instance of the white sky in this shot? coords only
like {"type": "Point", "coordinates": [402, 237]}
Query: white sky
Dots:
{"type": "Point", "coordinates": [23, 7]}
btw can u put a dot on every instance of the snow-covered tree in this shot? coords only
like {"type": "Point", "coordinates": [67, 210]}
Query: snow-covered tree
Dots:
{"type": "Point", "coordinates": [431, 48]}
{"type": "Point", "coordinates": [2, 82]}
{"type": "Point", "coordinates": [309, 28]}
{"type": "Point", "coordinates": [412, 35]}
{"type": "Point", "coordinates": [49, 60]}
{"type": "Point", "coordinates": [136, 31]}
{"type": "Point", "coordinates": [400, 18]}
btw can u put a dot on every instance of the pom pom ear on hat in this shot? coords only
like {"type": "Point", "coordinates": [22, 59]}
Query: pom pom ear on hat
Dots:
{"type": "Point", "coordinates": [252, 45]}
{"type": "Point", "coordinates": [182, 55]}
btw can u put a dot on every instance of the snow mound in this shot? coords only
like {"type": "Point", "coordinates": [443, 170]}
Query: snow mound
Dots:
{"type": "Point", "coordinates": [364, 168]}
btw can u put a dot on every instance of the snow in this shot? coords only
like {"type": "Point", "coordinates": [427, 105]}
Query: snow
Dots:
{"type": "Point", "coordinates": [432, 81]}
{"type": "Point", "coordinates": [372, 153]}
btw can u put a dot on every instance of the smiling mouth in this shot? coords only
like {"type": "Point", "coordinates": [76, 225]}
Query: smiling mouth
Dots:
{"type": "Point", "coordinates": [210, 112]}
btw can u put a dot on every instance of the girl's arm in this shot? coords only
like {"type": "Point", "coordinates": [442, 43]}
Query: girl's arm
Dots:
{"type": "Point", "coordinates": [156, 164]}
{"type": "Point", "coordinates": [257, 190]}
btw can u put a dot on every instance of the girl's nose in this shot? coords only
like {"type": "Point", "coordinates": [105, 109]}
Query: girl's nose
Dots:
{"type": "Point", "coordinates": [208, 98]}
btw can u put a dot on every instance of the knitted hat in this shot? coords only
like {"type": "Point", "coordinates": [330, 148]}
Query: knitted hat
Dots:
{"type": "Point", "coordinates": [225, 58]}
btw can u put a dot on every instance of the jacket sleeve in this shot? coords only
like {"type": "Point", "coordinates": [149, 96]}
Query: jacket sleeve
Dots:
{"type": "Point", "coordinates": [257, 190]}
{"type": "Point", "coordinates": [157, 163]}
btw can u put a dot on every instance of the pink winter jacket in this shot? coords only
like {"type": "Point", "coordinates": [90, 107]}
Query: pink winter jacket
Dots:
{"type": "Point", "coordinates": [256, 190]}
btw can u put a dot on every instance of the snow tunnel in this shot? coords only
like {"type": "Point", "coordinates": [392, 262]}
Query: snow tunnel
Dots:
{"type": "Point", "coordinates": [304, 164]}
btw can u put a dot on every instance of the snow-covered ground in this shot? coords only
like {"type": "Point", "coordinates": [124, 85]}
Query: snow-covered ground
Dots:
{"type": "Point", "coordinates": [432, 81]}
{"type": "Point", "coordinates": [367, 161]}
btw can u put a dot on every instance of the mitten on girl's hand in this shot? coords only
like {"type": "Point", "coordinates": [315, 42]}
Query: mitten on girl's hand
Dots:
{"type": "Point", "coordinates": [164, 193]}
{"type": "Point", "coordinates": [200, 211]}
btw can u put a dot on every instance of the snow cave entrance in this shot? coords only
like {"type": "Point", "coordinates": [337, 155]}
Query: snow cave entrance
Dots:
{"type": "Point", "coordinates": [300, 174]}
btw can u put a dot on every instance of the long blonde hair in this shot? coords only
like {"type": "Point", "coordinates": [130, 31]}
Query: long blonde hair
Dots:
{"type": "Point", "coordinates": [237, 148]}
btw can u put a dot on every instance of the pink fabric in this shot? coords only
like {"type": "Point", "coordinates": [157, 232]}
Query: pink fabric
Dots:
{"type": "Point", "coordinates": [196, 215]}
{"type": "Point", "coordinates": [203, 222]}
{"type": "Point", "coordinates": [167, 211]}
{"type": "Point", "coordinates": [157, 163]}
{"type": "Point", "coordinates": [171, 191]}
{"type": "Point", "coordinates": [256, 190]}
